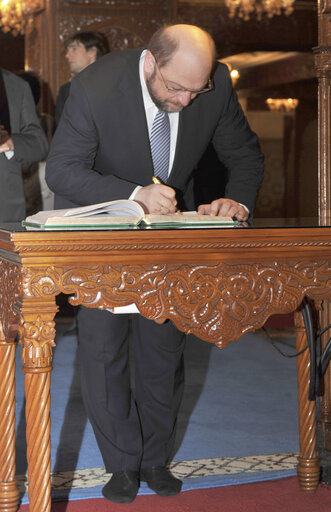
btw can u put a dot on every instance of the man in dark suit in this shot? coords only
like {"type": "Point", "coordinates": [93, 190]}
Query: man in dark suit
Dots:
{"type": "Point", "coordinates": [22, 140]}
{"type": "Point", "coordinates": [101, 151]}
{"type": "Point", "coordinates": [82, 49]}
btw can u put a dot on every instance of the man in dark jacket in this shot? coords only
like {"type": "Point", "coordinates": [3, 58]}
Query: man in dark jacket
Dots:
{"type": "Point", "coordinates": [104, 149]}
{"type": "Point", "coordinates": [22, 140]}
{"type": "Point", "coordinates": [82, 49]}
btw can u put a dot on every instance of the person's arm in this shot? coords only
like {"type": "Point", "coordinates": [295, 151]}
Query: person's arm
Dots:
{"type": "Point", "coordinates": [238, 148]}
{"type": "Point", "coordinates": [30, 143]}
{"type": "Point", "coordinates": [60, 102]}
{"type": "Point", "coordinates": [71, 169]}
{"type": "Point", "coordinates": [70, 166]}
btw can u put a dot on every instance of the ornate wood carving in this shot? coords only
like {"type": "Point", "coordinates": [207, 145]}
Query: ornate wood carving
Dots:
{"type": "Point", "coordinates": [126, 24]}
{"type": "Point", "coordinates": [10, 278]}
{"type": "Point", "coordinates": [323, 69]}
{"type": "Point", "coordinates": [37, 411]}
{"type": "Point", "coordinates": [88, 247]}
{"type": "Point", "coordinates": [10, 286]}
{"type": "Point", "coordinates": [308, 461]}
{"type": "Point", "coordinates": [215, 284]}
{"type": "Point", "coordinates": [37, 332]}
{"type": "Point", "coordinates": [8, 489]}
{"type": "Point", "coordinates": [216, 302]}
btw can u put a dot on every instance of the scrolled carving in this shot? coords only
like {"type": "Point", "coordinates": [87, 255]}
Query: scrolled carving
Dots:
{"type": "Point", "coordinates": [197, 298]}
{"type": "Point", "coordinates": [40, 282]}
{"type": "Point", "coordinates": [37, 341]}
{"type": "Point", "coordinates": [10, 291]}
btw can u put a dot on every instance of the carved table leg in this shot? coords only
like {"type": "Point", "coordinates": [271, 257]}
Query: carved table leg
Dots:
{"type": "Point", "coordinates": [325, 420]}
{"type": "Point", "coordinates": [8, 488]}
{"type": "Point", "coordinates": [37, 338]}
{"type": "Point", "coordinates": [308, 466]}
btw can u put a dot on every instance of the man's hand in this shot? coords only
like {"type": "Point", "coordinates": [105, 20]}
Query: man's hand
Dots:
{"type": "Point", "coordinates": [6, 143]}
{"type": "Point", "coordinates": [224, 208]}
{"type": "Point", "coordinates": [157, 199]}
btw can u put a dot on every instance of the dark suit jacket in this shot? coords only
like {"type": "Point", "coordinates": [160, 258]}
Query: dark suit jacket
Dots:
{"type": "Point", "coordinates": [60, 102]}
{"type": "Point", "coordinates": [30, 145]}
{"type": "Point", "coordinates": [101, 150]}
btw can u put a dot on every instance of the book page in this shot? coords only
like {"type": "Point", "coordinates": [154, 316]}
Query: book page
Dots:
{"type": "Point", "coordinates": [119, 208]}
{"type": "Point", "coordinates": [92, 220]}
{"type": "Point", "coordinates": [112, 212]}
{"type": "Point", "coordinates": [189, 218]}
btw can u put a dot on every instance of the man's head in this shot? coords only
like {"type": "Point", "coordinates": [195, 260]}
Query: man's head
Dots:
{"type": "Point", "coordinates": [178, 65]}
{"type": "Point", "coordinates": [84, 48]}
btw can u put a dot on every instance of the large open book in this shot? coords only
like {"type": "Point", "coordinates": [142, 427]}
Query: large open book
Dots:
{"type": "Point", "coordinates": [123, 213]}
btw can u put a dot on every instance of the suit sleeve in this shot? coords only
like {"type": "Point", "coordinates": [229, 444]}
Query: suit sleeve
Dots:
{"type": "Point", "coordinates": [71, 165]}
{"type": "Point", "coordinates": [238, 148]}
{"type": "Point", "coordinates": [60, 102]}
{"type": "Point", "coordinates": [30, 143]}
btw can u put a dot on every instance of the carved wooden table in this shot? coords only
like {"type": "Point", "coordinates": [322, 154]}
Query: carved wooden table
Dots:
{"type": "Point", "coordinates": [216, 284]}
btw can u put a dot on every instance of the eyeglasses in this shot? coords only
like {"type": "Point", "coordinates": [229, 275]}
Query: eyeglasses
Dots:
{"type": "Point", "coordinates": [177, 90]}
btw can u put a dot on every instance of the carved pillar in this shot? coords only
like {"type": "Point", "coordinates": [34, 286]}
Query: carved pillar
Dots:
{"type": "Point", "coordinates": [323, 67]}
{"type": "Point", "coordinates": [37, 338]}
{"type": "Point", "coordinates": [8, 488]}
{"type": "Point", "coordinates": [308, 462]}
{"type": "Point", "coordinates": [8, 330]}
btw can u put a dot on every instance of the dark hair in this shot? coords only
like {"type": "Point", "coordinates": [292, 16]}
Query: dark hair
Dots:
{"type": "Point", "coordinates": [34, 83]}
{"type": "Point", "coordinates": [89, 40]}
{"type": "Point", "coordinates": [162, 46]}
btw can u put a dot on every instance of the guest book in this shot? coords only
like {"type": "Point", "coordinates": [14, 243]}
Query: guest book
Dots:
{"type": "Point", "coordinates": [123, 213]}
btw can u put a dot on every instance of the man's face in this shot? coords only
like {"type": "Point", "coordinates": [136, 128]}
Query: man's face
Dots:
{"type": "Point", "coordinates": [169, 92]}
{"type": "Point", "coordinates": [78, 57]}
{"type": "Point", "coordinates": [165, 100]}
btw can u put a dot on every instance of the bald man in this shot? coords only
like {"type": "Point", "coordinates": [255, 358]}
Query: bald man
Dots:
{"type": "Point", "coordinates": [100, 152]}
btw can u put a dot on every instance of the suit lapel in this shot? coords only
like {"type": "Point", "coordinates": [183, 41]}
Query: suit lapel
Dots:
{"type": "Point", "coordinates": [136, 128]}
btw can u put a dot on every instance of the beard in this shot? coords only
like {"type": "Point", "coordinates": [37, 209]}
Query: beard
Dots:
{"type": "Point", "coordinates": [163, 105]}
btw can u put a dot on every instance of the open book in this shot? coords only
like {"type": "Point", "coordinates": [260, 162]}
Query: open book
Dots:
{"type": "Point", "coordinates": [123, 213]}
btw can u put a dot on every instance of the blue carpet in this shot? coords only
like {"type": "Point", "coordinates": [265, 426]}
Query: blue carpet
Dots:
{"type": "Point", "coordinates": [240, 406]}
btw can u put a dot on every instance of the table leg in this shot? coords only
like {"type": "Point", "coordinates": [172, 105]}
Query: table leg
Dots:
{"type": "Point", "coordinates": [37, 337]}
{"type": "Point", "coordinates": [308, 466]}
{"type": "Point", "coordinates": [8, 487]}
{"type": "Point", "coordinates": [325, 419]}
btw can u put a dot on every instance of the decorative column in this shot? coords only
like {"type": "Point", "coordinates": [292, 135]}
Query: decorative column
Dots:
{"type": "Point", "coordinates": [308, 461]}
{"type": "Point", "coordinates": [8, 487]}
{"type": "Point", "coordinates": [37, 332]}
{"type": "Point", "coordinates": [323, 68]}
{"type": "Point", "coordinates": [9, 277]}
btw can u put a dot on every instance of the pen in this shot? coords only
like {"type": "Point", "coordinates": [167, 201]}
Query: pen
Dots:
{"type": "Point", "coordinates": [157, 181]}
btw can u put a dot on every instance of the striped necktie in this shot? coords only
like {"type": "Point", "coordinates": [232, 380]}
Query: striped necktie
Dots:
{"type": "Point", "coordinates": [160, 145]}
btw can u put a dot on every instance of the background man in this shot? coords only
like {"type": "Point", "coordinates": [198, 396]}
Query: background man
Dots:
{"type": "Point", "coordinates": [104, 149]}
{"type": "Point", "coordinates": [82, 49]}
{"type": "Point", "coordinates": [22, 140]}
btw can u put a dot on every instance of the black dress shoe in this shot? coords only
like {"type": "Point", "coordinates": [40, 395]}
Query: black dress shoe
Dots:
{"type": "Point", "coordinates": [122, 487]}
{"type": "Point", "coordinates": [161, 481]}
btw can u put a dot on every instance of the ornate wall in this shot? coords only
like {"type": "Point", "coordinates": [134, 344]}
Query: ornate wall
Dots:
{"type": "Point", "coordinates": [126, 23]}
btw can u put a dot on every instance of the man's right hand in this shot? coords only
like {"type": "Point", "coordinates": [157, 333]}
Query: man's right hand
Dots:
{"type": "Point", "coordinates": [157, 199]}
{"type": "Point", "coordinates": [6, 143]}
